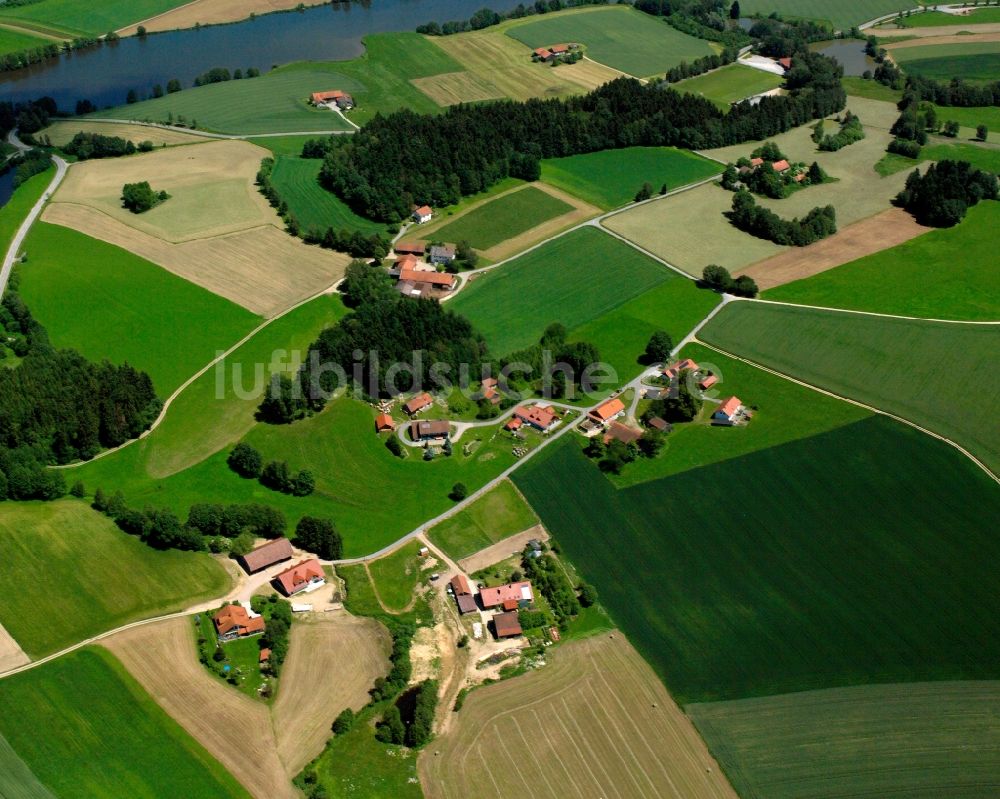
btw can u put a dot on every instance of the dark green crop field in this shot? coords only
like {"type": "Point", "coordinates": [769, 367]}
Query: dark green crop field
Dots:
{"type": "Point", "coordinates": [863, 554]}
{"type": "Point", "coordinates": [504, 218]}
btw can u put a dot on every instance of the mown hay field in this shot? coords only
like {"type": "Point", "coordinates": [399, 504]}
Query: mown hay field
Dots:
{"type": "Point", "coordinates": [105, 302]}
{"type": "Point", "coordinates": [624, 39]}
{"type": "Point", "coordinates": [868, 741]}
{"type": "Point", "coordinates": [451, 88]}
{"type": "Point", "coordinates": [594, 722]}
{"type": "Point", "coordinates": [611, 178]}
{"type": "Point", "coordinates": [61, 732]}
{"type": "Point", "coordinates": [61, 131]}
{"type": "Point", "coordinates": [938, 375]}
{"type": "Point", "coordinates": [96, 577]}
{"type": "Point", "coordinates": [496, 515]}
{"type": "Point", "coordinates": [802, 566]}
{"type": "Point", "coordinates": [942, 274]}
{"type": "Point", "coordinates": [729, 84]}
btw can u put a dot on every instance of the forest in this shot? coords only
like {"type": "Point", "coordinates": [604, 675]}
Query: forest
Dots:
{"type": "Point", "coordinates": [405, 158]}
{"type": "Point", "coordinates": [945, 192]}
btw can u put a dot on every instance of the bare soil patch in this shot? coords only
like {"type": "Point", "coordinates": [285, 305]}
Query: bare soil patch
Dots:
{"type": "Point", "coordinates": [263, 269]}
{"type": "Point", "coordinates": [332, 661]}
{"type": "Point", "coordinates": [11, 654]}
{"type": "Point", "coordinates": [207, 12]}
{"type": "Point", "coordinates": [502, 550]}
{"type": "Point", "coordinates": [939, 32]}
{"type": "Point", "coordinates": [61, 131]}
{"type": "Point", "coordinates": [593, 722]}
{"type": "Point", "coordinates": [457, 87]}
{"type": "Point", "coordinates": [993, 36]}
{"type": "Point", "coordinates": [868, 236]}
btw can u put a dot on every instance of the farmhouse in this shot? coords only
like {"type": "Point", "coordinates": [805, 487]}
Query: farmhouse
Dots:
{"type": "Point", "coordinates": [620, 432]}
{"type": "Point", "coordinates": [233, 621]}
{"type": "Point", "coordinates": [786, 63]}
{"type": "Point", "coordinates": [677, 367]}
{"type": "Point", "coordinates": [781, 167]}
{"type": "Point", "coordinates": [422, 214]}
{"type": "Point", "coordinates": [265, 655]}
{"type": "Point", "coordinates": [408, 262]}
{"type": "Point", "coordinates": [442, 253]}
{"type": "Point", "coordinates": [413, 282]}
{"type": "Point", "coordinates": [551, 53]}
{"type": "Point", "coordinates": [489, 390]}
{"type": "Point", "coordinates": [541, 418]}
{"type": "Point", "coordinates": [426, 430]}
{"type": "Point", "coordinates": [418, 403]}
{"type": "Point", "coordinates": [506, 625]}
{"type": "Point", "coordinates": [266, 555]}
{"type": "Point", "coordinates": [514, 424]}
{"type": "Point", "coordinates": [510, 596]}
{"type": "Point", "coordinates": [605, 413]}
{"type": "Point", "coordinates": [307, 575]}
{"type": "Point", "coordinates": [707, 382]}
{"type": "Point", "coordinates": [417, 248]}
{"type": "Point", "coordinates": [384, 422]}
{"type": "Point", "coordinates": [464, 597]}
{"type": "Point", "coordinates": [728, 413]}
{"type": "Point", "coordinates": [341, 100]}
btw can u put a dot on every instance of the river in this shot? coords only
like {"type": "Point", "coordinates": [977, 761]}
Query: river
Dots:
{"type": "Point", "coordinates": [104, 75]}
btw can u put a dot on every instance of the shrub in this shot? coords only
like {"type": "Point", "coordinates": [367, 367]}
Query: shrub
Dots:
{"type": "Point", "coordinates": [140, 197]}
{"type": "Point", "coordinates": [245, 461]}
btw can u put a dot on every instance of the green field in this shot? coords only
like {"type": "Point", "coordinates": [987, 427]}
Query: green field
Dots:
{"type": "Point", "coordinates": [943, 274]}
{"type": "Point", "coordinates": [86, 728]}
{"type": "Point", "coordinates": [866, 742]}
{"type": "Point", "coordinates": [504, 218]}
{"type": "Point", "coordinates": [972, 61]}
{"type": "Point", "coordinates": [971, 117]}
{"type": "Point", "coordinates": [934, 19]}
{"type": "Point", "coordinates": [619, 37]}
{"type": "Point", "coordinates": [78, 17]}
{"type": "Point", "coordinates": [277, 102]}
{"type": "Point", "coordinates": [15, 41]}
{"type": "Point", "coordinates": [572, 279]}
{"type": "Point", "coordinates": [938, 375]}
{"type": "Point", "coordinates": [96, 577]}
{"type": "Point", "coordinates": [610, 178]}
{"type": "Point", "coordinates": [730, 84]}
{"type": "Point", "coordinates": [396, 576]}
{"type": "Point", "coordinates": [12, 214]}
{"type": "Point", "coordinates": [842, 14]}
{"type": "Point", "coordinates": [297, 181]}
{"type": "Point", "coordinates": [496, 515]}
{"type": "Point", "coordinates": [106, 302]}
{"type": "Point", "coordinates": [986, 158]}
{"type": "Point", "coordinates": [806, 565]}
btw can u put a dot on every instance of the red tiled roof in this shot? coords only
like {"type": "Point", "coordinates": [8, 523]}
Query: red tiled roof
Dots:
{"type": "Point", "coordinates": [411, 247]}
{"type": "Point", "coordinates": [322, 97]}
{"type": "Point", "coordinates": [679, 366]}
{"type": "Point", "coordinates": [384, 422]}
{"type": "Point", "coordinates": [434, 278]}
{"type": "Point", "coordinates": [536, 415]}
{"type": "Point", "coordinates": [610, 408]}
{"type": "Point", "coordinates": [418, 403]}
{"type": "Point", "coordinates": [781, 166]}
{"type": "Point", "coordinates": [729, 406]}
{"type": "Point", "coordinates": [708, 382]}
{"type": "Point", "coordinates": [489, 382]}
{"type": "Point", "coordinates": [506, 624]}
{"type": "Point", "coordinates": [559, 48]}
{"type": "Point", "coordinates": [514, 424]}
{"type": "Point", "coordinates": [426, 428]}
{"type": "Point", "coordinates": [785, 62]}
{"type": "Point", "coordinates": [423, 210]}
{"type": "Point", "coordinates": [299, 576]}
{"type": "Point", "coordinates": [756, 161]}
{"type": "Point", "coordinates": [542, 51]}
{"type": "Point", "coordinates": [494, 597]}
{"type": "Point", "coordinates": [799, 177]}
{"type": "Point", "coordinates": [658, 424]}
{"type": "Point", "coordinates": [267, 554]}
{"type": "Point", "coordinates": [264, 655]}
{"type": "Point", "coordinates": [235, 617]}
{"type": "Point", "coordinates": [406, 262]}
{"type": "Point", "coordinates": [460, 584]}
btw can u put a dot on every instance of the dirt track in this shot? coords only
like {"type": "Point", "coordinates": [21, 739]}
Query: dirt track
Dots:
{"type": "Point", "coordinates": [868, 236]}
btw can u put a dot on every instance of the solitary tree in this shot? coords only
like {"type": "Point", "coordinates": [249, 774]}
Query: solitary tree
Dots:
{"type": "Point", "coordinates": [319, 536]}
{"type": "Point", "coordinates": [645, 192]}
{"type": "Point", "coordinates": [459, 492]}
{"type": "Point", "coordinates": [659, 347]}
{"type": "Point", "coordinates": [982, 132]}
{"type": "Point", "coordinates": [245, 461]}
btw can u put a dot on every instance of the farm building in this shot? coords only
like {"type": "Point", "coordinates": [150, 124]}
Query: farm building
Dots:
{"type": "Point", "coordinates": [464, 597]}
{"type": "Point", "coordinates": [506, 625]}
{"type": "Point", "coordinates": [707, 382]}
{"type": "Point", "coordinates": [514, 424]}
{"type": "Point", "coordinates": [427, 430]}
{"type": "Point", "coordinates": [342, 100]}
{"type": "Point", "coordinates": [409, 262]}
{"type": "Point", "coordinates": [418, 403]}
{"type": "Point", "coordinates": [422, 214]}
{"type": "Point", "coordinates": [417, 248]}
{"type": "Point", "coordinates": [266, 555]}
{"type": "Point", "coordinates": [786, 63]}
{"type": "Point", "coordinates": [265, 655]}
{"type": "Point", "coordinates": [384, 422]}
{"type": "Point", "coordinates": [728, 413]}
{"type": "Point", "coordinates": [489, 390]}
{"type": "Point", "coordinates": [306, 575]}
{"type": "Point", "coordinates": [442, 253]}
{"type": "Point", "coordinates": [606, 412]}
{"type": "Point", "coordinates": [546, 54]}
{"type": "Point", "coordinates": [756, 162]}
{"type": "Point", "coordinates": [677, 367]}
{"type": "Point", "coordinates": [781, 167]}
{"type": "Point", "coordinates": [537, 416]}
{"type": "Point", "coordinates": [620, 432]}
{"type": "Point", "coordinates": [656, 423]}
{"type": "Point", "coordinates": [510, 596]}
{"type": "Point", "coordinates": [414, 283]}
{"type": "Point", "coordinates": [233, 621]}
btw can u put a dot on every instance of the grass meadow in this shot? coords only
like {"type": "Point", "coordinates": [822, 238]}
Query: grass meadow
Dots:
{"type": "Point", "coordinates": [297, 181]}
{"type": "Point", "coordinates": [496, 515]}
{"type": "Point", "coordinates": [729, 84]}
{"type": "Point", "coordinates": [935, 19]}
{"type": "Point", "coordinates": [939, 375]}
{"type": "Point", "coordinates": [868, 741]}
{"type": "Point", "coordinates": [971, 61]}
{"type": "Point", "coordinates": [106, 302]}
{"type": "Point", "coordinates": [396, 576]}
{"type": "Point", "coordinates": [77, 17]}
{"type": "Point", "coordinates": [503, 218]}
{"type": "Point", "coordinates": [803, 566]}
{"type": "Point", "coordinates": [109, 740]}
{"type": "Point", "coordinates": [943, 274]}
{"type": "Point", "coordinates": [611, 178]}
{"type": "Point", "coordinates": [96, 577]}
{"type": "Point", "coordinates": [15, 41]}
{"type": "Point", "coordinates": [12, 214]}
{"type": "Point", "coordinates": [841, 15]}
{"type": "Point", "coordinates": [970, 118]}
{"type": "Point", "coordinates": [619, 37]}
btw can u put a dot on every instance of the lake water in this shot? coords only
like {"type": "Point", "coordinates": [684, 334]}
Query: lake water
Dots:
{"type": "Point", "coordinates": [850, 53]}
{"type": "Point", "coordinates": [333, 32]}
{"type": "Point", "coordinates": [6, 186]}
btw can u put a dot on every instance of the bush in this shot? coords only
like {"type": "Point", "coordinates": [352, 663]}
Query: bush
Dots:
{"type": "Point", "coordinates": [394, 446]}
{"type": "Point", "coordinates": [904, 147]}
{"type": "Point", "coordinates": [459, 492]}
{"type": "Point", "coordinates": [245, 461]}
{"type": "Point", "coordinates": [588, 595]}
{"type": "Point", "coordinates": [140, 197]}
{"type": "Point", "coordinates": [343, 723]}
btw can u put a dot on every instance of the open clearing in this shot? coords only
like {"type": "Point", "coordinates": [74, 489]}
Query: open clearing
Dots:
{"type": "Point", "coordinates": [937, 374]}
{"type": "Point", "coordinates": [611, 178]}
{"type": "Point", "coordinates": [842, 14]}
{"type": "Point", "coordinates": [943, 274]}
{"type": "Point", "coordinates": [869, 741]}
{"type": "Point", "coordinates": [62, 131]}
{"type": "Point", "coordinates": [880, 232]}
{"type": "Point", "coordinates": [594, 722]}
{"type": "Point", "coordinates": [732, 591]}
{"type": "Point", "coordinates": [84, 709]}
{"type": "Point", "coordinates": [332, 661]}
{"type": "Point", "coordinates": [105, 302]}
{"type": "Point", "coordinates": [690, 231]}
{"type": "Point", "coordinates": [730, 84]}
{"type": "Point", "coordinates": [210, 12]}
{"type": "Point", "coordinates": [618, 36]}
{"type": "Point", "coordinates": [97, 577]}
{"type": "Point", "coordinates": [500, 513]}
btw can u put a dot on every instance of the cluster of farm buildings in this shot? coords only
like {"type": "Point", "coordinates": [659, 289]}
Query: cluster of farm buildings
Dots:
{"type": "Point", "coordinates": [497, 606]}
{"type": "Point", "coordinates": [416, 268]}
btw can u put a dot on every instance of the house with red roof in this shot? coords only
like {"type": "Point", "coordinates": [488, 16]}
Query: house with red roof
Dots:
{"type": "Point", "coordinates": [413, 247]}
{"type": "Point", "coordinates": [464, 597]}
{"type": "Point", "coordinates": [233, 621]}
{"type": "Point", "coordinates": [607, 411]}
{"type": "Point", "coordinates": [507, 625]}
{"type": "Point", "coordinates": [537, 416]}
{"type": "Point", "coordinates": [305, 575]}
{"type": "Point", "coordinates": [707, 382]}
{"type": "Point", "coordinates": [418, 403]}
{"type": "Point", "coordinates": [384, 422]}
{"type": "Point", "coordinates": [414, 282]}
{"type": "Point", "coordinates": [342, 100]}
{"type": "Point", "coordinates": [728, 413]}
{"type": "Point", "coordinates": [677, 367]}
{"type": "Point", "coordinates": [781, 166]}
{"type": "Point", "coordinates": [786, 63]}
{"type": "Point", "coordinates": [422, 213]}
{"type": "Point", "coordinates": [509, 597]}
{"type": "Point", "coordinates": [265, 555]}
{"type": "Point", "coordinates": [514, 424]}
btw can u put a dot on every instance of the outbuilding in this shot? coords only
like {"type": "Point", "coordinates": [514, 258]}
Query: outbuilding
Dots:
{"type": "Point", "coordinates": [266, 555]}
{"type": "Point", "coordinates": [418, 403]}
{"type": "Point", "coordinates": [507, 625]}
{"type": "Point", "coordinates": [428, 429]}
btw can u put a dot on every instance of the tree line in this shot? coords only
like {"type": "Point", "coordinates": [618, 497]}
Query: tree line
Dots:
{"type": "Point", "coordinates": [437, 159]}
{"type": "Point", "coordinates": [29, 56]}
{"type": "Point", "coordinates": [86, 146]}
{"type": "Point", "coordinates": [487, 17]}
{"type": "Point", "coordinates": [701, 65]}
